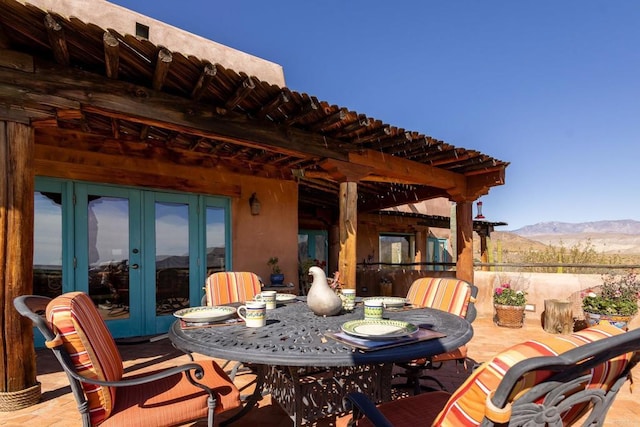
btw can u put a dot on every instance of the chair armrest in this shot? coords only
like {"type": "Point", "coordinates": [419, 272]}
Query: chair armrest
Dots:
{"type": "Point", "coordinates": [362, 405]}
{"type": "Point", "coordinates": [30, 306]}
{"type": "Point", "coordinates": [199, 372]}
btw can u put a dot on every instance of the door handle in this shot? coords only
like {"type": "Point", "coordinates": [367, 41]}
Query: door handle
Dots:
{"type": "Point", "coordinates": [135, 266]}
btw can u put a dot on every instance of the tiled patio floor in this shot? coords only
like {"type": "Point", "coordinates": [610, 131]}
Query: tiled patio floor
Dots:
{"type": "Point", "coordinates": [58, 408]}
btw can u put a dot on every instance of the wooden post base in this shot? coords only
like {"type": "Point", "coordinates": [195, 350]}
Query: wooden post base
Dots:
{"type": "Point", "coordinates": [558, 316]}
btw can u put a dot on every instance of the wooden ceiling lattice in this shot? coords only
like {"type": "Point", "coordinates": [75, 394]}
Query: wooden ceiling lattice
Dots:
{"type": "Point", "coordinates": [289, 133]}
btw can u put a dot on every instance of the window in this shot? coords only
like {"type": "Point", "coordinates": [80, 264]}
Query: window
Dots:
{"type": "Point", "coordinates": [397, 249]}
{"type": "Point", "coordinates": [142, 31]}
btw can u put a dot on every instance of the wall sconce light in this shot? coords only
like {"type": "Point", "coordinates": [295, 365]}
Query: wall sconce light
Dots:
{"type": "Point", "coordinates": [479, 216]}
{"type": "Point", "coordinates": [254, 204]}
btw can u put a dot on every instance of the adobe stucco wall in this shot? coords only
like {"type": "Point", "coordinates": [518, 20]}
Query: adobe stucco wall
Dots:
{"type": "Point", "coordinates": [539, 286]}
{"type": "Point", "coordinates": [108, 15]}
{"type": "Point", "coordinates": [274, 232]}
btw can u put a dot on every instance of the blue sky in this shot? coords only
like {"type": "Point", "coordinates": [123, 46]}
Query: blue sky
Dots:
{"type": "Point", "coordinates": [553, 87]}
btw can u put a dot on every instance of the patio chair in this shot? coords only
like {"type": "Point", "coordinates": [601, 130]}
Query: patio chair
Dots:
{"type": "Point", "coordinates": [80, 340]}
{"type": "Point", "coordinates": [558, 380]}
{"type": "Point", "coordinates": [227, 287]}
{"type": "Point", "coordinates": [448, 294]}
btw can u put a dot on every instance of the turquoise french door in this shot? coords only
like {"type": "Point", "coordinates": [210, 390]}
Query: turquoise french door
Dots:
{"type": "Point", "coordinates": [140, 254]}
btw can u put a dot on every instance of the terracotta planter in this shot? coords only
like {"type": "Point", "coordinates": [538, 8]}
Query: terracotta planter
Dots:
{"type": "Point", "coordinates": [509, 316]}
{"type": "Point", "coordinates": [619, 321]}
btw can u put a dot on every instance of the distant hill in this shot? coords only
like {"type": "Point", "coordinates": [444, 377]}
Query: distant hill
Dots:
{"type": "Point", "coordinates": [624, 226]}
{"type": "Point", "coordinates": [613, 237]}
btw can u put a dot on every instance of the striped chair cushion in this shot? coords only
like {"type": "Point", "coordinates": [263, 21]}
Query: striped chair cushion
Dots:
{"type": "Point", "coordinates": [447, 294]}
{"type": "Point", "coordinates": [93, 351]}
{"type": "Point", "coordinates": [227, 287]}
{"type": "Point", "coordinates": [466, 407]}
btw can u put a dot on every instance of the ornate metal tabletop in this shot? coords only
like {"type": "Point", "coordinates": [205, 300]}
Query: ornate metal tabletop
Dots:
{"type": "Point", "coordinates": [295, 336]}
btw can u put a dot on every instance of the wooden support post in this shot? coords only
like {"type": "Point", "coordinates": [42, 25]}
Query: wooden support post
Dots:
{"type": "Point", "coordinates": [484, 256]}
{"type": "Point", "coordinates": [17, 355]}
{"type": "Point", "coordinates": [347, 259]}
{"type": "Point", "coordinates": [558, 316]}
{"type": "Point", "coordinates": [464, 246]}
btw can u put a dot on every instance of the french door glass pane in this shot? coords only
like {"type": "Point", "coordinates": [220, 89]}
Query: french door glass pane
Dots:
{"type": "Point", "coordinates": [47, 244]}
{"type": "Point", "coordinates": [216, 243]}
{"type": "Point", "coordinates": [172, 257]}
{"type": "Point", "coordinates": [108, 251]}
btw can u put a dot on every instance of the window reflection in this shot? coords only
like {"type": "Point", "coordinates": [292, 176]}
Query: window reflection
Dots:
{"type": "Point", "coordinates": [172, 257]}
{"type": "Point", "coordinates": [47, 244]}
{"type": "Point", "coordinates": [216, 241]}
{"type": "Point", "coordinates": [108, 250]}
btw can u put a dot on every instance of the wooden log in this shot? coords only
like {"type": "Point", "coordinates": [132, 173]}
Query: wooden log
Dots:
{"type": "Point", "coordinates": [464, 241]}
{"type": "Point", "coordinates": [558, 316]}
{"type": "Point", "coordinates": [348, 233]}
{"type": "Point", "coordinates": [17, 360]}
{"type": "Point", "coordinates": [111, 55]}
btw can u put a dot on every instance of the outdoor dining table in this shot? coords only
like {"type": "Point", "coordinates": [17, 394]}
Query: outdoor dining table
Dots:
{"type": "Point", "coordinates": [306, 371]}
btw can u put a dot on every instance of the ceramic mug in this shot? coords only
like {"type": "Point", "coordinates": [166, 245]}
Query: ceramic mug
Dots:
{"type": "Point", "coordinates": [373, 309]}
{"type": "Point", "coordinates": [268, 297]}
{"type": "Point", "coordinates": [255, 313]}
{"type": "Point", "coordinates": [348, 299]}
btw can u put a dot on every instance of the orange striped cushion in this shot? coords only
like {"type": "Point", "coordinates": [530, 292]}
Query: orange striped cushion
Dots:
{"type": "Point", "coordinates": [92, 349]}
{"type": "Point", "coordinates": [227, 287]}
{"type": "Point", "coordinates": [466, 407]}
{"type": "Point", "coordinates": [447, 294]}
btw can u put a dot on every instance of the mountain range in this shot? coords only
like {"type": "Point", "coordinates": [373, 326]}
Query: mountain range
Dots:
{"type": "Point", "coordinates": [619, 236]}
{"type": "Point", "coordinates": [623, 226]}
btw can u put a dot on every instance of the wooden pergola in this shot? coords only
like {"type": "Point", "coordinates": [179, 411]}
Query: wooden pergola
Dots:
{"type": "Point", "coordinates": [82, 102]}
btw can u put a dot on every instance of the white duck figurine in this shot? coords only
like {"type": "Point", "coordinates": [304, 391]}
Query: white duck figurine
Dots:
{"type": "Point", "coordinates": [321, 299]}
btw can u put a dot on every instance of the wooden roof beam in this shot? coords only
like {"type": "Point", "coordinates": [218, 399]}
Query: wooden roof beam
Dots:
{"type": "Point", "coordinates": [362, 121]}
{"type": "Point", "coordinates": [275, 103]}
{"type": "Point", "coordinates": [376, 134]}
{"type": "Point", "coordinates": [4, 39]}
{"type": "Point", "coordinates": [111, 47]}
{"type": "Point", "coordinates": [344, 171]}
{"type": "Point", "coordinates": [242, 91]}
{"type": "Point", "coordinates": [384, 201]}
{"type": "Point", "coordinates": [57, 40]}
{"type": "Point", "coordinates": [392, 141]}
{"type": "Point", "coordinates": [310, 107]}
{"type": "Point", "coordinates": [163, 62]}
{"type": "Point", "coordinates": [332, 119]}
{"type": "Point", "coordinates": [138, 105]}
{"type": "Point", "coordinates": [208, 73]}
{"type": "Point", "coordinates": [408, 171]}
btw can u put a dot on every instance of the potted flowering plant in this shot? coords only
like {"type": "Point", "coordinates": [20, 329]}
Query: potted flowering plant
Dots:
{"type": "Point", "coordinates": [277, 278]}
{"type": "Point", "coordinates": [509, 304]}
{"type": "Point", "coordinates": [616, 300]}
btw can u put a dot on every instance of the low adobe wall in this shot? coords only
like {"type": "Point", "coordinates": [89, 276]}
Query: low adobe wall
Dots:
{"type": "Point", "coordinates": [539, 286]}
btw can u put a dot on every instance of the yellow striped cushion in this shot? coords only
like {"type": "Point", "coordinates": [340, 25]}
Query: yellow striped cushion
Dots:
{"type": "Point", "coordinates": [447, 294]}
{"type": "Point", "coordinates": [466, 407]}
{"type": "Point", "coordinates": [227, 287]}
{"type": "Point", "coordinates": [92, 349]}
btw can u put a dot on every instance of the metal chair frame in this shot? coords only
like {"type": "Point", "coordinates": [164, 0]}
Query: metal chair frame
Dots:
{"type": "Point", "coordinates": [33, 307]}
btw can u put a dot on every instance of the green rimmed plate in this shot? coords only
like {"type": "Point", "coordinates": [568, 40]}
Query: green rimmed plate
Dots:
{"type": "Point", "coordinates": [205, 314]}
{"type": "Point", "coordinates": [379, 329]}
{"type": "Point", "coordinates": [389, 302]}
{"type": "Point", "coordinates": [284, 298]}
